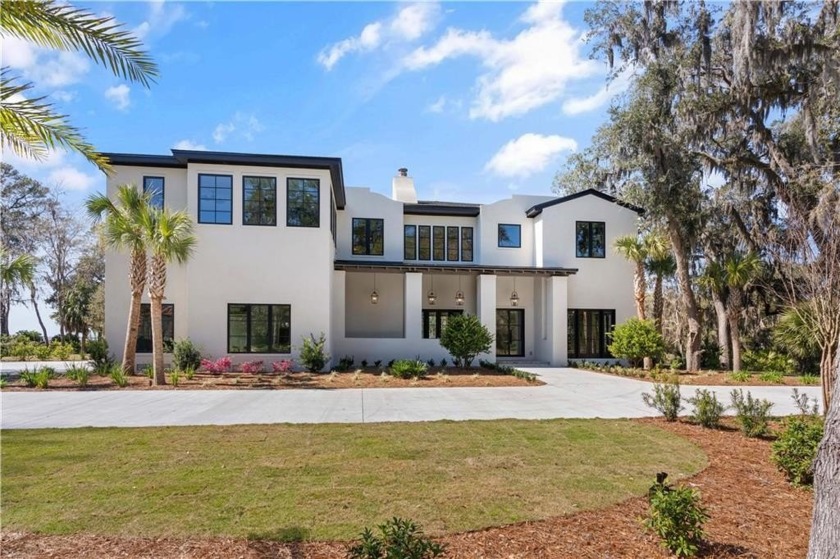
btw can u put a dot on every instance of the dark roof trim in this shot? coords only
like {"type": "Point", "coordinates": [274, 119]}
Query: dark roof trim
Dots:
{"type": "Point", "coordinates": [425, 208]}
{"type": "Point", "coordinates": [402, 267]}
{"type": "Point", "coordinates": [180, 158]}
{"type": "Point", "coordinates": [534, 211]}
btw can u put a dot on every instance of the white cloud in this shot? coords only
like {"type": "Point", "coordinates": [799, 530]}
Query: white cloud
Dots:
{"type": "Point", "coordinates": [528, 154]}
{"type": "Point", "coordinates": [438, 106]}
{"type": "Point", "coordinates": [71, 178]}
{"type": "Point", "coordinates": [119, 95]}
{"type": "Point", "coordinates": [189, 144]}
{"type": "Point", "coordinates": [578, 105]}
{"type": "Point", "coordinates": [162, 17]}
{"type": "Point", "coordinates": [246, 125]}
{"type": "Point", "coordinates": [408, 24]}
{"type": "Point", "coordinates": [64, 96]}
{"type": "Point", "coordinates": [520, 74]}
{"type": "Point", "coordinates": [44, 67]}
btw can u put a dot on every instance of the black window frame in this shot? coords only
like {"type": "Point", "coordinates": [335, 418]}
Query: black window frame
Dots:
{"type": "Point", "coordinates": [439, 252]}
{"type": "Point", "coordinates": [519, 235]}
{"type": "Point", "coordinates": [249, 328]}
{"type": "Point", "coordinates": [521, 332]}
{"type": "Point", "coordinates": [438, 313]}
{"type": "Point", "coordinates": [245, 201]}
{"type": "Point", "coordinates": [290, 210]}
{"type": "Point", "coordinates": [606, 320]}
{"type": "Point", "coordinates": [369, 242]}
{"type": "Point", "coordinates": [155, 194]}
{"type": "Point", "coordinates": [409, 255]}
{"type": "Point", "coordinates": [464, 240]}
{"type": "Point", "coordinates": [215, 199]}
{"type": "Point", "coordinates": [589, 236]}
{"type": "Point", "coordinates": [145, 324]}
{"type": "Point", "coordinates": [420, 238]}
{"type": "Point", "coordinates": [450, 255]}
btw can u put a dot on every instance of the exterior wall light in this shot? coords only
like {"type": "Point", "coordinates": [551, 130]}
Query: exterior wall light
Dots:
{"type": "Point", "coordinates": [459, 295]}
{"type": "Point", "coordinates": [514, 296]}
{"type": "Point", "coordinates": [431, 295]}
{"type": "Point", "coordinates": [374, 296]}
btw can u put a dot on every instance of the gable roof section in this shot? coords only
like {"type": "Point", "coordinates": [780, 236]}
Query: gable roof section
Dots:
{"type": "Point", "coordinates": [534, 211]}
{"type": "Point", "coordinates": [426, 207]}
{"type": "Point", "coordinates": [180, 158]}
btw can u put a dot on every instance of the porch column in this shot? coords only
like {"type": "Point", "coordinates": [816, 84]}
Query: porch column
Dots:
{"type": "Point", "coordinates": [485, 305]}
{"type": "Point", "coordinates": [413, 306]}
{"type": "Point", "coordinates": [557, 306]}
{"type": "Point", "coordinates": [339, 314]}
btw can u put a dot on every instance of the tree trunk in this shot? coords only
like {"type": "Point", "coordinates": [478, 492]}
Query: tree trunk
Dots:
{"type": "Point", "coordinates": [639, 290]}
{"type": "Point", "coordinates": [33, 297]}
{"type": "Point", "coordinates": [658, 303]}
{"type": "Point", "coordinates": [722, 331]}
{"type": "Point", "coordinates": [825, 521]}
{"type": "Point", "coordinates": [4, 314]}
{"type": "Point", "coordinates": [157, 340]}
{"type": "Point", "coordinates": [735, 328]}
{"type": "Point", "coordinates": [828, 372]}
{"type": "Point", "coordinates": [692, 350]}
{"type": "Point", "coordinates": [137, 280]}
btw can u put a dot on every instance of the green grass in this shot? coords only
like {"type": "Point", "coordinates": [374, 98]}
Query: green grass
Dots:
{"type": "Point", "coordinates": [326, 481]}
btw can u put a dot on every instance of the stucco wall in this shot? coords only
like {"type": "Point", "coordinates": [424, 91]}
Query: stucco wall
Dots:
{"type": "Point", "coordinates": [382, 320]}
{"type": "Point", "coordinates": [363, 203]}
{"type": "Point", "coordinates": [510, 211]}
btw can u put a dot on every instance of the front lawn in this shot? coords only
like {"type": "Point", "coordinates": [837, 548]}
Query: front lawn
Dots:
{"type": "Point", "coordinates": [326, 481]}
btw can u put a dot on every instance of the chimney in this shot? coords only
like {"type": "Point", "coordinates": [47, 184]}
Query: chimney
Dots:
{"type": "Point", "coordinates": [402, 187]}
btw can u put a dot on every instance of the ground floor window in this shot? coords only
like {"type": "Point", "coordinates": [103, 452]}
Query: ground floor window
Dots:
{"type": "Point", "coordinates": [587, 332]}
{"type": "Point", "coordinates": [510, 332]}
{"type": "Point", "coordinates": [259, 328]}
{"type": "Point", "coordinates": [434, 321]}
{"type": "Point", "coordinates": [144, 333]}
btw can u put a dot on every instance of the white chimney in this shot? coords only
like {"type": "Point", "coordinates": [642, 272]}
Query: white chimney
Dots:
{"type": "Point", "coordinates": [402, 187]}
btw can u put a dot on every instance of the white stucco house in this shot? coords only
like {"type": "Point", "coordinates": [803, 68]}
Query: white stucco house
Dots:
{"type": "Point", "coordinates": [286, 250]}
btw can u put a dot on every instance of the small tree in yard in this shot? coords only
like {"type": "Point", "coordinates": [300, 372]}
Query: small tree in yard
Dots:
{"type": "Point", "coordinates": [636, 339]}
{"type": "Point", "coordinates": [464, 338]}
{"type": "Point", "coordinates": [312, 353]}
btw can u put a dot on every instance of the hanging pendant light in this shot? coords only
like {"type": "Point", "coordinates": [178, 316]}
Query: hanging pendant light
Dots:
{"type": "Point", "coordinates": [431, 295]}
{"type": "Point", "coordinates": [374, 296]}
{"type": "Point", "coordinates": [459, 295]}
{"type": "Point", "coordinates": [514, 297]}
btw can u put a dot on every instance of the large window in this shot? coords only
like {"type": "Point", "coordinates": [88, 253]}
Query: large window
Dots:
{"type": "Point", "coordinates": [259, 328]}
{"type": "Point", "coordinates": [453, 239]}
{"type": "Point", "coordinates": [303, 203]}
{"type": "Point", "coordinates": [425, 242]}
{"type": "Point", "coordinates": [434, 321]}
{"type": "Point", "coordinates": [144, 333]}
{"type": "Point", "coordinates": [368, 236]}
{"type": "Point", "coordinates": [587, 332]}
{"type": "Point", "coordinates": [259, 201]}
{"type": "Point", "coordinates": [510, 332]}
{"type": "Point", "coordinates": [154, 186]}
{"type": "Point", "coordinates": [410, 242]}
{"type": "Point", "coordinates": [439, 242]}
{"type": "Point", "coordinates": [467, 244]}
{"type": "Point", "coordinates": [590, 238]}
{"type": "Point", "coordinates": [215, 195]}
{"type": "Point", "coordinates": [510, 236]}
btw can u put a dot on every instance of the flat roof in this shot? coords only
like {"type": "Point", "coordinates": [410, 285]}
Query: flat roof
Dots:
{"type": "Point", "coordinates": [426, 207]}
{"type": "Point", "coordinates": [180, 158]}
{"type": "Point", "coordinates": [402, 267]}
{"type": "Point", "coordinates": [536, 210]}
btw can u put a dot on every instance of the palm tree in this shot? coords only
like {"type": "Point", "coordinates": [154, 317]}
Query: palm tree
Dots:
{"type": "Point", "coordinates": [123, 225]}
{"type": "Point", "coordinates": [169, 237]}
{"type": "Point", "coordinates": [14, 272]}
{"type": "Point", "coordinates": [714, 278]}
{"type": "Point", "coordinates": [741, 270]}
{"type": "Point", "coordinates": [661, 265]}
{"type": "Point", "coordinates": [635, 250]}
{"type": "Point", "coordinates": [30, 126]}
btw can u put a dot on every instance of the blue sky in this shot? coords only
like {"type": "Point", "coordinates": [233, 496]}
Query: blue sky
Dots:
{"type": "Point", "coordinates": [478, 100]}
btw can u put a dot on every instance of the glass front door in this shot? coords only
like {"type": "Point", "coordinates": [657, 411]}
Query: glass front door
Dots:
{"type": "Point", "coordinates": [510, 332]}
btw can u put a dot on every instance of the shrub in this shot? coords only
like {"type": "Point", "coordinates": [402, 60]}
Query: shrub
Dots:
{"type": "Point", "coordinates": [676, 516]}
{"type": "Point", "coordinates": [312, 354]}
{"type": "Point", "coordinates": [768, 361]}
{"type": "Point", "coordinates": [489, 365]}
{"type": "Point", "coordinates": [796, 448]}
{"type": "Point", "coordinates": [636, 339]}
{"type": "Point", "coordinates": [400, 539]}
{"type": "Point", "coordinates": [740, 376]}
{"type": "Point", "coordinates": [377, 363]}
{"type": "Point", "coordinates": [79, 375]}
{"type": "Point", "coordinates": [118, 376]}
{"type": "Point", "coordinates": [41, 377]}
{"type": "Point", "coordinates": [751, 413]}
{"type": "Point", "coordinates": [220, 365]}
{"type": "Point", "coordinates": [409, 368]}
{"type": "Point", "coordinates": [666, 400]}
{"type": "Point", "coordinates": [707, 408]}
{"type": "Point", "coordinates": [175, 378]}
{"type": "Point", "coordinates": [772, 376]}
{"type": "Point", "coordinates": [42, 352]}
{"type": "Point", "coordinates": [443, 362]}
{"type": "Point", "coordinates": [808, 378]}
{"type": "Point", "coordinates": [524, 375]}
{"type": "Point", "coordinates": [185, 355]}
{"type": "Point", "coordinates": [3, 382]}
{"type": "Point", "coordinates": [27, 377]}
{"type": "Point", "coordinates": [71, 339]}
{"type": "Point", "coordinates": [60, 350]}
{"type": "Point", "coordinates": [391, 363]}
{"type": "Point", "coordinates": [283, 366]}
{"type": "Point", "coordinates": [345, 363]}
{"type": "Point", "coordinates": [464, 338]}
{"type": "Point", "coordinates": [364, 363]}
{"type": "Point", "coordinates": [252, 367]}
{"type": "Point", "coordinates": [29, 336]}
{"type": "Point", "coordinates": [189, 373]}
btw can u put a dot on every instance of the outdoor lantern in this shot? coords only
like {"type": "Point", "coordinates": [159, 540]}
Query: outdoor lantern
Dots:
{"type": "Point", "coordinates": [514, 297]}
{"type": "Point", "coordinates": [374, 296]}
{"type": "Point", "coordinates": [431, 296]}
{"type": "Point", "coordinates": [459, 295]}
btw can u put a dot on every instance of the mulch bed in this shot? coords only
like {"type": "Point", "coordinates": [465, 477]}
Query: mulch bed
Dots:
{"type": "Point", "coordinates": [701, 378]}
{"type": "Point", "coordinates": [755, 514]}
{"type": "Point", "coordinates": [450, 378]}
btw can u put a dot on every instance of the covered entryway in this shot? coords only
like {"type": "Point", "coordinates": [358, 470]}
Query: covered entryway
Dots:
{"type": "Point", "coordinates": [510, 332]}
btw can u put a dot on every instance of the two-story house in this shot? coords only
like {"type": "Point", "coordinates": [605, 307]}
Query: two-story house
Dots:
{"type": "Point", "coordinates": [285, 250]}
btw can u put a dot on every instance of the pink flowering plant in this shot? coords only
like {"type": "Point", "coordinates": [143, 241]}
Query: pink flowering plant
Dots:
{"type": "Point", "coordinates": [221, 365]}
{"type": "Point", "coordinates": [252, 367]}
{"type": "Point", "coordinates": [283, 366]}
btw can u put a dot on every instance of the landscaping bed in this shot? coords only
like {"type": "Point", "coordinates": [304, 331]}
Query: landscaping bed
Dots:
{"type": "Point", "coordinates": [702, 378]}
{"type": "Point", "coordinates": [754, 513]}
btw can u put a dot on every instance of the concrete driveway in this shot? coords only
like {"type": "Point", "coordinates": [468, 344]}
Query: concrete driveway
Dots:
{"type": "Point", "coordinates": [569, 393]}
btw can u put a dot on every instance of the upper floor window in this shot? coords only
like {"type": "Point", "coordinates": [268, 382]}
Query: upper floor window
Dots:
{"type": "Point", "coordinates": [467, 244]}
{"type": "Point", "coordinates": [410, 242]}
{"type": "Point", "coordinates": [426, 242]}
{"type": "Point", "coordinates": [259, 201]}
{"type": "Point", "coordinates": [590, 239]}
{"type": "Point", "coordinates": [424, 234]}
{"type": "Point", "coordinates": [215, 195]}
{"type": "Point", "coordinates": [154, 186]}
{"type": "Point", "coordinates": [453, 243]}
{"type": "Point", "coordinates": [510, 236]}
{"type": "Point", "coordinates": [259, 328]}
{"type": "Point", "coordinates": [303, 203]}
{"type": "Point", "coordinates": [368, 236]}
{"type": "Point", "coordinates": [439, 242]}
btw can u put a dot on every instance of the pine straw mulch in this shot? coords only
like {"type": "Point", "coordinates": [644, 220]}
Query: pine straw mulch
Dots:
{"type": "Point", "coordinates": [755, 514]}
{"type": "Point", "coordinates": [369, 378]}
{"type": "Point", "coordinates": [698, 378]}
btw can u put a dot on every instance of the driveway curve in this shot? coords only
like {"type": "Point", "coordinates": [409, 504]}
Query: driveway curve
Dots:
{"type": "Point", "coordinates": [568, 393]}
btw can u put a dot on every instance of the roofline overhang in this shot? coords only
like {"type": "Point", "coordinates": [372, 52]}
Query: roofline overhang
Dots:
{"type": "Point", "coordinates": [404, 267]}
{"type": "Point", "coordinates": [440, 209]}
{"type": "Point", "coordinates": [536, 210]}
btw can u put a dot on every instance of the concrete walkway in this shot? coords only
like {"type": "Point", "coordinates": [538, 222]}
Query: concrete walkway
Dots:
{"type": "Point", "coordinates": [569, 393]}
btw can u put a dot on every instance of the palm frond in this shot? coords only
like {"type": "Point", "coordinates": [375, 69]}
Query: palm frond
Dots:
{"type": "Point", "coordinates": [170, 235]}
{"type": "Point", "coordinates": [31, 127]}
{"type": "Point", "coordinates": [60, 26]}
